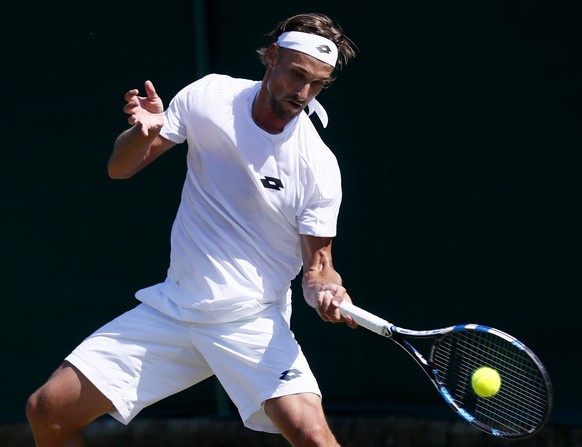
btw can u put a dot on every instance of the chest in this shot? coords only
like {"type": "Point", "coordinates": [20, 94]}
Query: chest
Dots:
{"type": "Point", "coordinates": [249, 173]}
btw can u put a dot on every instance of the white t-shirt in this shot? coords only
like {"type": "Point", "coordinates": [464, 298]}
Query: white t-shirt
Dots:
{"type": "Point", "coordinates": [247, 196]}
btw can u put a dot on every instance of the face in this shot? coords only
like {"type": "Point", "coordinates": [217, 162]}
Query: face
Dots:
{"type": "Point", "coordinates": [295, 79]}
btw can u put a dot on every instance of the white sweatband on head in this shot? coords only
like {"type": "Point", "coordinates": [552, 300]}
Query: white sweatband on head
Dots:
{"type": "Point", "coordinates": [315, 106]}
{"type": "Point", "coordinates": [317, 46]}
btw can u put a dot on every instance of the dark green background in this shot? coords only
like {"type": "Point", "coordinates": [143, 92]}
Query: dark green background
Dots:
{"type": "Point", "coordinates": [457, 129]}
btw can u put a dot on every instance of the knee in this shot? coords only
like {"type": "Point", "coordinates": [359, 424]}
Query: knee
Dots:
{"type": "Point", "coordinates": [42, 420]}
{"type": "Point", "coordinates": [301, 420]}
{"type": "Point", "coordinates": [314, 432]}
{"type": "Point", "coordinates": [318, 435]}
{"type": "Point", "coordinates": [34, 408]}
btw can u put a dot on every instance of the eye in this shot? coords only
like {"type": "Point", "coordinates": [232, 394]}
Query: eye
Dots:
{"type": "Point", "coordinates": [322, 83]}
{"type": "Point", "coordinates": [299, 75]}
{"type": "Point", "coordinates": [302, 76]}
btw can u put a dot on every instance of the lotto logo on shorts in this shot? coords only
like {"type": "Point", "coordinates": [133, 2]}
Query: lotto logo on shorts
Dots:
{"type": "Point", "coordinates": [290, 374]}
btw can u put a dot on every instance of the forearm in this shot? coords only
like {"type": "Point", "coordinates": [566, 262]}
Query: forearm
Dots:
{"type": "Point", "coordinates": [131, 153]}
{"type": "Point", "coordinates": [322, 285]}
{"type": "Point", "coordinates": [318, 272]}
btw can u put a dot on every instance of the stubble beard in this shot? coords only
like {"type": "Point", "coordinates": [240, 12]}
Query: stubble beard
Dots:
{"type": "Point", "coordinates": [280, 109]}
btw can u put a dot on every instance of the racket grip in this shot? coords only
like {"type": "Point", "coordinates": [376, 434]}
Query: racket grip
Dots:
{"type": "Point", "coordinates": [366, 319]}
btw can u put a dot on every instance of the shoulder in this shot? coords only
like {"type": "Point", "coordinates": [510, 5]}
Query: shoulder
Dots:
{"type": "Point", "coordinates": [217, 83]}
{"type": "Point", "coordinates": [313, 148]}
{"type": "Point", "coordinates": [320, 163]}
{"type": "Point", "coordinates": [211, 91]}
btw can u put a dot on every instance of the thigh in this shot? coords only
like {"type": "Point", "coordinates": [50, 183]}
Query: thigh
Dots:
{"type": "Point", "coordinates": [69, 399]}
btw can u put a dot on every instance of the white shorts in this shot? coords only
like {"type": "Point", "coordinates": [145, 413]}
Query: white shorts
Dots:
{"type": "Point", "coordinates": [144, 356]}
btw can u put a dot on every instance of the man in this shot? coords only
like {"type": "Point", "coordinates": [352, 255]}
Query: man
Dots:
{"type": "Point", "coordinates": [260, 201]}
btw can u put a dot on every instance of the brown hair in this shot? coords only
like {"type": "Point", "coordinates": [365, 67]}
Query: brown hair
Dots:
{"type": "Point", "coordinates": [320, 24]}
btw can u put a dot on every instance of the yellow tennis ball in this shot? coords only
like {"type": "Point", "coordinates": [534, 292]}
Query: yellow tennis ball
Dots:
{"type": "Point", "coordinates": [485, 382]}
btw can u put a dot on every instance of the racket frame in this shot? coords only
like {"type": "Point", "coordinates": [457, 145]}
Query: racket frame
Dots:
{"type": "Point", "coordinates": [397, 334]}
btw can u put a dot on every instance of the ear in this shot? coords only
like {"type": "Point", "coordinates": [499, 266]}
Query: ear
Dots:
{"type": "Point", "coordinates": [271, 55]}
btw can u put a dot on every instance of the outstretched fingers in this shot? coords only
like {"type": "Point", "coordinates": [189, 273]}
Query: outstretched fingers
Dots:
{"type": "Point", "coordinates": [144, 110]}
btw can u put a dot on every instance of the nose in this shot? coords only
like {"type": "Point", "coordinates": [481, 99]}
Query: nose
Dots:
{"type": "Point", "coordinates": [303, 92]}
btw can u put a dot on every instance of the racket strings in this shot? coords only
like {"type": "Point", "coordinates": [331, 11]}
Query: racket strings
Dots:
{"type": "Point", "coordinates": [521, 403]}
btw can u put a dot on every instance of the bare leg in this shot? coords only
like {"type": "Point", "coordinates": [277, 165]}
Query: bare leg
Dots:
{"type": "Point", "coordinates": [301, 420]}
{"type": "Point", "coordinates": [60, 409]}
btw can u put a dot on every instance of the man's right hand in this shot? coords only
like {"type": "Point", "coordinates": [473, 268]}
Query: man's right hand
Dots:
{"type": "Point", "coordinates": [138, 146]}
{"type": "Point", "coordinates": [145, 111]}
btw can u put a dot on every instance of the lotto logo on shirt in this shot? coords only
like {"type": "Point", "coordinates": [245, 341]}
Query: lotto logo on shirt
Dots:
{"type": "Point", "coordinates": [272, 183]}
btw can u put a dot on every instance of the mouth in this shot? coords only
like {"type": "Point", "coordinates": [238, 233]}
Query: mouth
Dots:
{"type": "Point", "coordinates": [295, 106]}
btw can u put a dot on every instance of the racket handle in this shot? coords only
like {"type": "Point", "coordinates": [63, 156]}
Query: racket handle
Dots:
{"type": "Point", "coordinates": [366, 319]}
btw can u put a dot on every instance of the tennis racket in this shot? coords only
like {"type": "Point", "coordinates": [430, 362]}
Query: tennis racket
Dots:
{"type": "Point", "coordinates": [520, 407]}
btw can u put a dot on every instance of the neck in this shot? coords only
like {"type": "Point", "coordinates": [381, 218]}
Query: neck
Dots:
{"type": "Point", "coordinates": [263, 114]}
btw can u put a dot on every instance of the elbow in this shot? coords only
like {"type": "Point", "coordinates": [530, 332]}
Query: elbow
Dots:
{"type": "Point", "coordinates": [116, 176]}
{"type": "Point", "coordinates": [116, 173]}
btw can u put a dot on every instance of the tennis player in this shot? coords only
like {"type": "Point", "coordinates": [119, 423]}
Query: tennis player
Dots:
{"type": "Point", "coordinates": [259, 204]}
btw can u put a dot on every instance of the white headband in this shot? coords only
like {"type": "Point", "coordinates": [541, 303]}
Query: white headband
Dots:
{"type": "Point", "coordinates": [317, 46]}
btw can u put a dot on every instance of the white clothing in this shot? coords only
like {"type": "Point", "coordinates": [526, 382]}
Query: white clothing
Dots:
{"type": "Point", "coordinates": [247, 196]}
{"type": "Point", "coordinates": [225, 305]}
{"type": "Point", "coordinates": [144, 356]}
